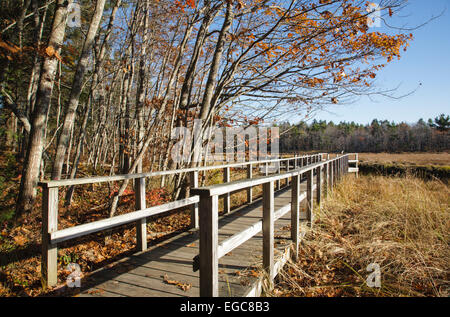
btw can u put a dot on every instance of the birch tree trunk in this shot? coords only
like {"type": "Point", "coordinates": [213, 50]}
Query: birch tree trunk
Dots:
{"type": "Point", "coordinates": [75, 93]}
{"type": "Point", "coordinates": [33, 158]}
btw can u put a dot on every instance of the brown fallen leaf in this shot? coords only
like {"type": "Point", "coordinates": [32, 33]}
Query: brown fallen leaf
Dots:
{"type": "Point", "coordinates": [183, 286]}
{"type": "Point", "coordinates": [96, 291]}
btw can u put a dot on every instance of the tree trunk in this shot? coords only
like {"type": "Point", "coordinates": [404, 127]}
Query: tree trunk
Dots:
{"type": "Point", "coordinates": [33, 158]}
{"type": "Point", "coordinates": [75, 93]}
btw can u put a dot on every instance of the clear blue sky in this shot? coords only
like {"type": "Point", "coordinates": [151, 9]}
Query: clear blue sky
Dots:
{"type": "Point", "coordinates": [427, 61]}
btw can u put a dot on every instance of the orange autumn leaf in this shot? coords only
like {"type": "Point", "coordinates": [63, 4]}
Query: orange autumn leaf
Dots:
{"type": "Point", "coordinates": [51, 52]}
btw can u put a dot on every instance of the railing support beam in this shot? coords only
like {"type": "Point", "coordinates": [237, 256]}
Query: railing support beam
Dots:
{"type": "Point", "coordinates": [250, 189]}
{"type": "Point", "coordinates": [226, 199]}
{"type": "Point", "coordinates": [318, 185]}
{"type": "Point", "coordinates": [295, 214]}
{"type": "Point", "coordinates": [268, 228]}
{"type": "Point", "coordinates": [309, 197]}
{"type": "Point", "coordinates": [141, 225]}
{"type": "Point", "coordinates": [193, 182]}
{"type": "Point", "coordinates": [49, 261]}
{"type": "Point", "coordinates": [209, 261]}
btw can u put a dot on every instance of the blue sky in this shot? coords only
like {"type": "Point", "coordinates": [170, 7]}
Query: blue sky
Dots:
{"type": "Point", "coordinates": [426, 62]}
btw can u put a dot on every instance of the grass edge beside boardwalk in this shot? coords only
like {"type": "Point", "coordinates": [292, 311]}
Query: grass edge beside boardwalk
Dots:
{"type": "Point", "coordinates": [400, 223]}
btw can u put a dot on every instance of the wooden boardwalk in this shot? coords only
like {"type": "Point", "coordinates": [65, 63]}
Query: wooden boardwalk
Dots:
{"type": "Point", "coordinates": [166, 269]}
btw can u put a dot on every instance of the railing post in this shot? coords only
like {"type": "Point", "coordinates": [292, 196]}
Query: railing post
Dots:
{"type": "Point", "coordinates": [330, 176]}
{"type": "Point", "coordinates": [266, 169]}
{"type": "Point", "coordinates": [318, 184]}
{"type": "Point", "coordinates": [334, 172]}
{"type": "Point", "coordinates": [193, 181]}
{"type": "Point", "coordinates": [268, 228]}
{"type": "Point", "coordinates": [141, 225]}
{"type": "Point", "coordinates": [279, 171]}
{"type": "Point", "coordinates": [337, 170]}
{"type": "Point", "coordinates": [250, 189]}
{"type": "Point", "coordinates": [357, 161]}
{"type": "Point", "coordinates": [295, 214]}
{"type": "Point", "coordinates": [49, 262]}
{"type": "Point", "coordinates": [288, 164]}
{"type": "Point", "coordinates": [309, 197]}
{"type": "Point", "coordinates": [226, 199]}
{"type": "Point", "coordinates": [209, 261]}
{"type": "Point", "coordinates": [325, 179]}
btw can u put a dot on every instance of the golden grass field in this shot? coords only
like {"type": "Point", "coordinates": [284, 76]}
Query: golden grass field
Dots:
{"type": "Point", "coordinates": [439, 159]}
{"type": "Point", "coordinates": [400, 223]}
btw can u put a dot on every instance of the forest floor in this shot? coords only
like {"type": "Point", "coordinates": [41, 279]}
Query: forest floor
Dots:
{"type": "Point", "coordinates": [402, 224]}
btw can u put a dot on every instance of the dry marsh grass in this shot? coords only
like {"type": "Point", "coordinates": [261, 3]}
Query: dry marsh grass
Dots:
{"type": "Point", "coordinates": [439, 159]}
{"type": "Point", "coordinates": [402, 224]}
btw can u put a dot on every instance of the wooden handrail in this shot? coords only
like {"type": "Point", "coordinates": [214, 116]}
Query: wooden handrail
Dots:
{"type": "Point", "coordinates": [225, 188]}
{"type": "Point", "coordinates": [102, 179]}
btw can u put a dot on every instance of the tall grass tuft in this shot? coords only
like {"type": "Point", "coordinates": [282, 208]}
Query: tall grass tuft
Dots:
{"type": "Point", "coordinates": [400, 223]}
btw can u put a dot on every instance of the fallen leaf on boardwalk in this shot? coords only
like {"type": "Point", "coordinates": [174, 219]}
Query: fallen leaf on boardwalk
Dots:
{"type": "Point", "coordinates": [96, 291]}
{"type": "Point", "coordinates": [191, 245]}
{"type": "Point", "coordinates": [183, 286]}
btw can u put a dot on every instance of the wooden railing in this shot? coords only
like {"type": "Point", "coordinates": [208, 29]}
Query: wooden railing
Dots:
{"type": "Point", "coordinates": [327, 173]}
{"type": "Point", "coordinates": [51, 236]}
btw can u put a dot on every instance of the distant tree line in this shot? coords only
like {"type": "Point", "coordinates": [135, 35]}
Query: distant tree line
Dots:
{"type": "Point", "coordinates": [379, 136]}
